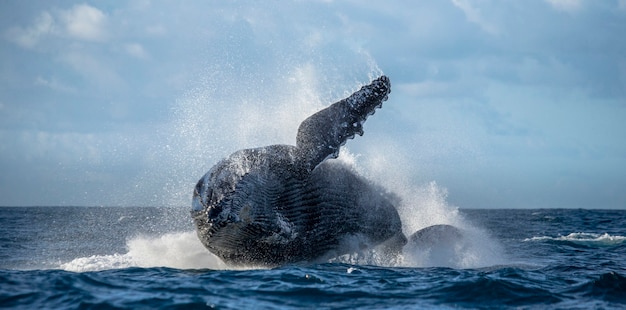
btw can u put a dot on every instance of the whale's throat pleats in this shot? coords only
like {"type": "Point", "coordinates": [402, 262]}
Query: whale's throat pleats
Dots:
{"type": "Point", "coordinates": [279, 217]}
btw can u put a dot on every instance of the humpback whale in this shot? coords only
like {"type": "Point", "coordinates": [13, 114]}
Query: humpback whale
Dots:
{"type": "Point", "coordinates": [282, 204]}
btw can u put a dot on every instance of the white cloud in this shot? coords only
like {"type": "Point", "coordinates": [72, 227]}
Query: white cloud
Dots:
{"type": "Point", "coordinates": [424, 89]}
{"type": "Point", "coordinates": [28, 37]}
{"type": "Point", "coordinates": [63, 147]}
{"type": "Point", "coordinates": [95, 69]}
{"type": "Point", "coordinates": [569, 6]}
{"type": "Point", "coordinates": [85, 22]}
{"type": "Point", "coordinates": [156, 30]}
{"type": "Point", "coordinates": [474, 15]}
{"type": "Point", "coordinates": [136, 50]}
{"type": "Point", "coordinates": [54, 84]}
{"type": "Point", "coordinates": [81, 22]}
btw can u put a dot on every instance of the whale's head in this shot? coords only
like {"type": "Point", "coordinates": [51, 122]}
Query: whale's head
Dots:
{"type": "Point", "coordinates": [230, 202]}
{"type": "Point", "coordinates": [216, 199]}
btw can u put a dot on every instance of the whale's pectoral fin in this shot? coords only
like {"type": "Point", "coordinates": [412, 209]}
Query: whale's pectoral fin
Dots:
{"type": "Point", "coordinates": [322, 134]}
{"type": "Point", "coordinates": [394, 244]}
{"type": "Point", "coordinates": [441, 234]}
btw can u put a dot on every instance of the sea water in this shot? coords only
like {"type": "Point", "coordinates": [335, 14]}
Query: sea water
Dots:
{"type": "Point", "coordinates": [131, 257]}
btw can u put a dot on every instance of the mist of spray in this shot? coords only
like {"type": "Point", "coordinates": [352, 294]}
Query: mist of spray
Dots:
{"type": "Point", "coordinates": [220, 116]}
{"type": "Point", "coordinates": [221, 113]}
{"type": "Point", "coordinates": [229, 108]}
{"type": "Point", "coordinates": [421, 206]}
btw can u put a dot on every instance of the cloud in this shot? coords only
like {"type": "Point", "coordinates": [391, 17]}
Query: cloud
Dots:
{"type": "Point", "coordinates": [55, 85]}
{"type": "Point", "coordinates": [136, 50]}
{"type": "Point", "coordinates": [463, 88]}
{"type": "Point", "coordinates": [85, 22]}
{"type": "Point", "coordinates": [569, 6]}
{"type": "Point", "coordinates": [474, 15]}
{"type": "Point", "coordinates": [95, 70]}
{"type": "Point", "coordinates": [156, 30]}
{"type": "Point", "coordinates": [63, 148]}
{"type": "Point", "coordinates": [28, 37]}
{"type": "Point", "coordinates": [82, 22]}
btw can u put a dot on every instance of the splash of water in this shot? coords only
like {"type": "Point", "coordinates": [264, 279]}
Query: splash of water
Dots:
{"type": "Point", "coordinates": [225, 110]}
{"type": "Point", "coordinates": [176, 250]}
{"type": "Point", "coordinates": [217, 116]}
{"type": "Point", "coordinates": [206, 129]}
{"type": "Point", "coordinates": [421, 206]}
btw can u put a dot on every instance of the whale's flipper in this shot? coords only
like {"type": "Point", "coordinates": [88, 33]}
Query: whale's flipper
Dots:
{"type": "Point", "coordinates": [321, 135]}
{"type": "Point", "coordinates": [441, 234]}
{"type": "Point", "coordinates": [437, 246]}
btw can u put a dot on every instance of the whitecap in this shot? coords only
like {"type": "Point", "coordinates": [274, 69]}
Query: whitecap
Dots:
{"type": "Point", "coordinates": [594, 239]}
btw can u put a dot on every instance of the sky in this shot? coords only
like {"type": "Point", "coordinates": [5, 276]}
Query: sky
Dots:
{"type": "Point", "coordinates": [501, 104]}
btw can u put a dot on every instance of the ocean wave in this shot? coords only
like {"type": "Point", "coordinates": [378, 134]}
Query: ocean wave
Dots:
{"type": "Point", "coordinates": [609, 286]}
{"type": "Point", "coordinates": [591, 239]}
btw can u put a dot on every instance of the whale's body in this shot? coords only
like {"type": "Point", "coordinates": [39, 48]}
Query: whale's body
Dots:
{"type": "Point", "coordinates": [282, 204]}
{"type": "Point", "coordinates": [283, 216]}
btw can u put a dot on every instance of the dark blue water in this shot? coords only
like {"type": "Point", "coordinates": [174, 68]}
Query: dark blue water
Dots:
{"type": "Point", "coordinates": [149, 258]}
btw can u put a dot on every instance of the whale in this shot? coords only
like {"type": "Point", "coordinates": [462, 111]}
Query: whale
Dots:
{"type": "Point", "coordinates": [284, 204]}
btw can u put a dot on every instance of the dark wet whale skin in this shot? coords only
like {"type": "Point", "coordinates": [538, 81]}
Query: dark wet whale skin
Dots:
{"type": "Point", "coordinates": [283, 204]}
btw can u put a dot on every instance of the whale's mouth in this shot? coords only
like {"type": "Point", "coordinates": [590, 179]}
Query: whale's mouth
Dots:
{"type": "Point", "coordinates": [217, 215]}
{"type": "Point", "coordinates": [202, 194]}
{"type": "Point", "coordinates": [206, 201]}
{"type": "Point", "coordinates": [210, 223]}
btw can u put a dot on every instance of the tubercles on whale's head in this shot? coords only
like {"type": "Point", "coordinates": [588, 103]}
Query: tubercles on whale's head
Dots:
{"type": "Point", "coordinates": [211, 193]}
{"type": "Point", "coordinates": [203, 199]}
{"type": "Point", "coordinates": [200, 196]}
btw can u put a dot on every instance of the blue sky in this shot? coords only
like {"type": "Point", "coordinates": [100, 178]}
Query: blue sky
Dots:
{"type": "Point", "coordinates": [507, 104]}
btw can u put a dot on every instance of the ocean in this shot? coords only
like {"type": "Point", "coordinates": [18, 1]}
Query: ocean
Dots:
{"type": "Point", "coordinates": [143, 257]}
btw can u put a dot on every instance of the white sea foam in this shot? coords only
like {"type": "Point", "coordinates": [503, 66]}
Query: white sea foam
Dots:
{"type": "Point", "coordinates": [584, 238]}
{"type": "Point", "coordinates": [180, 250]}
